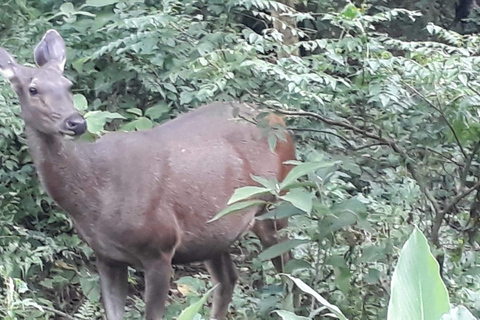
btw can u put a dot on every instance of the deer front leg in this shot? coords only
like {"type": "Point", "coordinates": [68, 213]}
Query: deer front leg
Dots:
{"type": "Point", "coordinates": [157, 281]}
{"type": "Point", "coordinates": [223, 272]}
{"type": "Point", "coordinates": [113, 282]}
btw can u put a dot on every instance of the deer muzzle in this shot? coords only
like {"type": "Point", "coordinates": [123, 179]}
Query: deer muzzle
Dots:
{"type": "Point", "coordinates": [75, 125]}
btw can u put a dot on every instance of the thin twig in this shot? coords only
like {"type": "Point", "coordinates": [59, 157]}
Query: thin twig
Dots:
{"type": "Point", "coordinates": [60, 313]}
{"type": "Point", "coordinates": [442, 114]}
{"type": "Point", "coordinates": [473, 89]}
{"type": "Point", "coordinates": [441, 214]}
{"type": "Point", "coordinates": [443, 156]}
{"type": "Point", "coordinates": [350, 146]}
{"type": "Point", "coordinates": [369, 145]}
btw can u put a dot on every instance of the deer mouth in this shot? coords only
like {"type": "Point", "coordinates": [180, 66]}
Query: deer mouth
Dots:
{"type": "Point", "coordinates": [67, 134]}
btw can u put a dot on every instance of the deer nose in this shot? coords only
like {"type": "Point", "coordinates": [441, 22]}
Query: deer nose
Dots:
{"type": "Point", "coordinates": [76, 124]}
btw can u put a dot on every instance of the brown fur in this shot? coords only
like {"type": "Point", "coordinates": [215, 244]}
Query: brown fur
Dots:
{"type": "Point", "coordinates": [145, 198]}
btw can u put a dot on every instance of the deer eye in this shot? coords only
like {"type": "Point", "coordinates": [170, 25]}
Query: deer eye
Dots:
{"type": "Point", "coordinates": [33, 91]}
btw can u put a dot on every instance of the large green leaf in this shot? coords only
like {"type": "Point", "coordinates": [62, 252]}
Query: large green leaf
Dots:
{"type": "Point", "coordinates": [283, 210]}
{"type": "Point", "coordinates": [417, 288]}
{"type": "Point", "coordinates": [245, 193]}
{"type": "Point", "coordinates": [236, 207]}
{"type": "Point", "coordinates": [100, 3]}
{"type": "Point", "coordinates": [336, 312]}
{"type": "Point", "coordinates": [190, 312]}
{"type": "Point", "coordinates": [96, 120]}
{"type": "Point", "coordinates": [301, 170]}
{"type": "Point", "coordinates": [280, 248]}
{"type": "Point", "coordinates": [80, 102]}
{"type": "Point", "coordinates": [300, 198]}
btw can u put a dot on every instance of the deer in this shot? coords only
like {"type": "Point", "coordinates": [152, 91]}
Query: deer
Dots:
{"type": "Point", "coordinates": [146, 198]}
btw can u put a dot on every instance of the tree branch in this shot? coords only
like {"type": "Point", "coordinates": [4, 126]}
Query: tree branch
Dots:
{"type": "Point", "coordinates": [350, 146]}
{"type": "Point", "coordinates": [432, 105]}
{"type": "Point", "coordinates": [440, 215]}
{"type": "Point", "coordinates": [443, 156]}
{"type": "Point", "coordinates": [386, 141]}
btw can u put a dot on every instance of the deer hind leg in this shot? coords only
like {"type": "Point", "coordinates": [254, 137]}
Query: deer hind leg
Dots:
{"type": "Point", "coordinates": [157, 281]}
{"type": "Point", "coordinates": [113, 282]}
{"type": "Point", "coordinates": [266, 231]}
{"type": "Point", "coordinates": [223, 273]}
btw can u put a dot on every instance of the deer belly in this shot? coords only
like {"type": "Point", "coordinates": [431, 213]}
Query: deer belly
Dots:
{"type": "Point", "coordinates": [216, 237]}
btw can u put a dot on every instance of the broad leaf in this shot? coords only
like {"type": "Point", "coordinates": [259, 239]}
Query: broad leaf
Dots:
{"type": "Point", "coordinates": [287, 315]}
{"type": "Point", "coordinates": [80, 102]}
{"type": "Point", "coordinates": [284, 210]}
{"type": "Point", "coordinates": [96, 120]}
{"type": "Point", "coordinates": [100, 3]}
{"type": "Point", "coordinates": [300, 198]}
{"type": "Point", "coordinates": [305, 288]}
{"type": "Point", "coordinates": [301, 170]}
{"type": "Point", "coordinates": [280, 248]}
{"type": "Point", "coordinates": [143, 123]}
{"type": "Point", "coordinates": [267, 183]}
{"type": "Point", "coordinates": [190, 312]}
{"type": "Point", "coordinates": [417, 288]}
{"type": "Point", "coordinates": [157, 110]}
{"type": "Point", "coordinates": [236, 207]}
{"type": "Point", "coordinates": [245, 193]}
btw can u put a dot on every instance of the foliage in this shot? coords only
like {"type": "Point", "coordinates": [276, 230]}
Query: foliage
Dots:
{"type": "Point", "coordinates": [417, 288]}
{"type": "Point", "coordinates": [418, 291]}
{"type": "Point", "coordinates": [388, 101]}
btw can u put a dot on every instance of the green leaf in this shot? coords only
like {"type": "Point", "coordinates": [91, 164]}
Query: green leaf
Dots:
{"type": "Point", "coordinates": [90, 288]}
{"type": "Point", "coordinates": [143, 123]}
{"type": "Point", "coordinates": [190, 312]}
{"type": "Point", "coordinates": [283, 210]}
{"type": "Point", "coordinates": [245, 193]}
{"type": "Point", "coordinates": [458, 313]}
{"type": "Point", "coordinates": [100, 3]}
{"type": "Point", "coordinates": [236, 207]}
{"type": "Point", "coordinates": [463, 79]}
{"type": "Point", "coordinates": [300, 198]}
{"type": "Point", "coordinates": [287, 315]}
{"type": "Point", "coordinates": [135, 111]}
{"type": "Point", "coordinates": [301, 170]}
{"type": "Point", "coordinates": [170, 87]}
{"type": "Point", "coordinates": [342, 278]}
{"type": "Point", "coordinates": [272, 185]}
{"type": "Point", "coordinates": [272, 142]}
{"type": "Point", "coordinates": [305, 288]}
{"type": "Point", "coordinates": [350, 11]}
{"type": "Point", "coordinates": [96, 120]}
{"type": "Point", "coordinates": [280, 248]}
{"type": "Point", "coordinates": [80, 102]}
{"type": "Point", "coordinates": [157, 110]}
{"type": "Point", "coordinates": [67, 7]}
{"type": "Point", "coordinates": [417, 290]}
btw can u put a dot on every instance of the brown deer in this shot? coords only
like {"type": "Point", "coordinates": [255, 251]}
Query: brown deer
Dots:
{"type": "Point", "coordinates": [145, 198]}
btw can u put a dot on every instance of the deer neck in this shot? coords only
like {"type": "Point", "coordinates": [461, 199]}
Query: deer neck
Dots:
{"type": "Point", "coordinates": [64, 169]}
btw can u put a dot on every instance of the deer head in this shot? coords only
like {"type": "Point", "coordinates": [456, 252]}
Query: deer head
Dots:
{"type": "Point", "coordinates": [44, 93]}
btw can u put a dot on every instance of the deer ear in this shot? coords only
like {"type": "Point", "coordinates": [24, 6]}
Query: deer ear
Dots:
{"type": "Point", "coordinates": [7, 64]}
{"type": "Point", "coordinates": [51, 50]}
